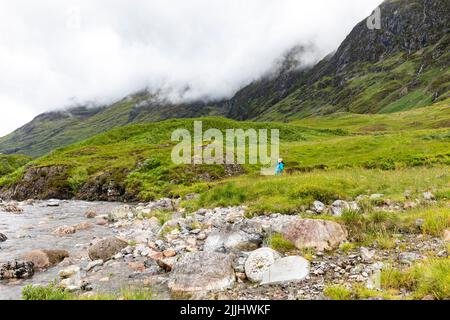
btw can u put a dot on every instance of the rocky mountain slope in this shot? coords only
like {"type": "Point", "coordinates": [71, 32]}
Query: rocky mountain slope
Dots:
{"type": "Point", "coordinates": [402, 66]}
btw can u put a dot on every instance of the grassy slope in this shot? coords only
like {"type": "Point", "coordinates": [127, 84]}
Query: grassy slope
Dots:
{"type": "Point", "coordinates": [138, 156]}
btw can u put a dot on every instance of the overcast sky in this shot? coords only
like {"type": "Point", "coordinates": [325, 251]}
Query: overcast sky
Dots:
{"type": "Point", "coordinates": [55, 53]}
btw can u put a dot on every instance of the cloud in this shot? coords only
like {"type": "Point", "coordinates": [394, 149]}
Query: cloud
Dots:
{"type": "Point", "coordinates": [54, 53]}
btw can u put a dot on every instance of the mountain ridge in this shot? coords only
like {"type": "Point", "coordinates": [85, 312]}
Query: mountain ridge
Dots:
{"type": "Point", "coordinates": [402, 66]}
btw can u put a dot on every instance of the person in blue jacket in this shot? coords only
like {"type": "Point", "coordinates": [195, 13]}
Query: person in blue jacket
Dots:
{"type": "Point", "coordinates": [280, 167]}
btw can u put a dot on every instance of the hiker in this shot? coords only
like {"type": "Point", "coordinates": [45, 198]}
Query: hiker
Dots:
{"type": "Point", "coordinates": [280, 167]}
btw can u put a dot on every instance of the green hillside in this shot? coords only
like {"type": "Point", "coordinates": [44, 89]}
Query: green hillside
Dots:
{"type": "Point", "coordinates": [403, 66]}
{"type": "Point", "coordinates": [133, 162]}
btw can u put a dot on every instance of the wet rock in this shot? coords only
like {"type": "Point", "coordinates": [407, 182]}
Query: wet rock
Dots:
{"type": "Point", "coordinates": [284, 270]}
{"type": "Point", "coordinates": [3, 238]}
{"type": "Point", "coordinates": [83, 226]}
{"type": "Point", "coordinates": [43, 259]}
{"type": "Point", "coordinates": [64, 230]}
{"type": "Point", "coordinates": [318, 207]}
{"type": "Point", "coordinates": [91, 265]}
{"type": "Point", "coordinates": [200, 272]}
{"type": "Point", "coordinates": [12, 207]}
{"type": "Point", "coordinates": [105, 249]}
{"type": "Point", "coordinates": [101, 221]}
{"type": "Point", "coordinates": [16, 270]}
{"type": "Point", "coordinates": [258, 262]}
{"type": "Point", "coordinates": [52, 203]}
{"type": "Point", "coordinates": [90, 214]}
{"type": "Point", "coordinates": [316, 234]}
{"type": "Point", "coordinates": [339, 207]}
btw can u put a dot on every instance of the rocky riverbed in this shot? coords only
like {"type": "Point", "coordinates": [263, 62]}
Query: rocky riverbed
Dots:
{"type": "Point", "coordinates": [98, 247]}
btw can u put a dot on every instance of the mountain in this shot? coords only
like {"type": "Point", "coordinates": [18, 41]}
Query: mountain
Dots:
{"type": "Point", "coordinates": [403, 65]}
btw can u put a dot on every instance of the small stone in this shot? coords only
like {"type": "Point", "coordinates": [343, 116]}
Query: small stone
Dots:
{"type": "Point", "coordinates": [169, 253]}
{"type": "Point", "coordinates": [318, 207]}
{"type": "Point", "coordinates": [428, 196]}
{"type": "Point", "coordinates": [447, 235]}
{"type": "Point", "coordinates": [101, 221]}
{"type": "Point", "coordinates": [91, 265]}
{"type": "Point", "coordinates": [105, 279]}
{"type": "Point", "coordinates": [367, 255]}
{"type": "Point", "coordinates": [69, 272]}
{"type": "Point", "coordinates": [136, 266]}
{"type": "Point", "coordinates": [64, 230]}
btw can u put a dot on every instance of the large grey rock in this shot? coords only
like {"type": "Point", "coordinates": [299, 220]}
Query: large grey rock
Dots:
{"type": "Point", "coordinates": [241, 237]}
{"type": "Point", "coordinates": [16, 270]}
{"type": "Point", "coordinates": [258, 262]}
{"type": "Point", "coordinates": [289, 269]}
{"type": "Point", "coordinates": [122, 212]}
{"type": "Point", "coordinates": [317, 234]}
{"type": "Point", "coordinates": [106, 249]}
{"type": "Point", "coordinates": [200, 272]}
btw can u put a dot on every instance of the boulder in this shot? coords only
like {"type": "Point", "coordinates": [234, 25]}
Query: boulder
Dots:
{"type": "Point", "coordinates": [285, 270]}
{"type": "Point", "coordinates": [339, 207]}
{"type": "Point", "coordinates": [90, 214]}
{"type": "Point", "coordinates": [43, 259]}
{"type": "Point", "coordinates": [120, 213]}
{"type": "Point", "coordinates": [200, 272]}
{"type": "Point", "coordinates": [317, 234]}
{"type": "Point", "coordinates": [16, 270]}
{"type": "Point", "coordinates": [232, 238]}
{"type": "Point", "coordinates": [3, 237]}
{"type": "Point", "coordinates": [258, 262]}
{"type": "Point", "coordinates": [318, 207]}
{"type": "Point", "coordinates": [105, 249]}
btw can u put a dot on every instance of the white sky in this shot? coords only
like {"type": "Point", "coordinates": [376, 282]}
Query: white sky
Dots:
{"type": "Point", "coordinates": [54, 53]}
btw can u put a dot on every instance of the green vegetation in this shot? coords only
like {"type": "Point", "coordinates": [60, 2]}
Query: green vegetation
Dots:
{"type": "Point", "coordinates": [54, 292]}
{"type": "Point", "coordinates": [278, 243]}
{"type": "Point", "coordinates": [10, 163]}
{"type": "Point", "coordinates": [428, 278]}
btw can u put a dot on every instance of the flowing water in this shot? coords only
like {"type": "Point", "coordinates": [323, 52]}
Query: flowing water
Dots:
{"type": "Point", "coordinates": [33, 229]}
